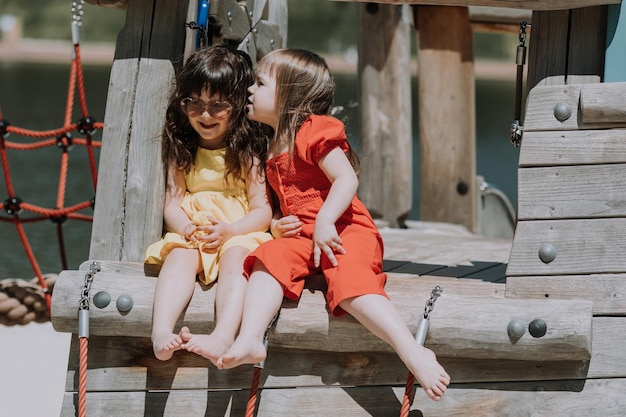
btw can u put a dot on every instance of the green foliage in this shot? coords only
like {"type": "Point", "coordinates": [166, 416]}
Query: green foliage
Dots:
{"type": "Point", "coordinates": [323, 26]}
{"type": "Point", "coordinates": [51, 19]}
{"type": "Point", "coordinates": [320, 25]}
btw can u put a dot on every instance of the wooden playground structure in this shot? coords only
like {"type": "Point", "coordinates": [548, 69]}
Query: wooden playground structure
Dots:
{"type": "Point", "coordinates": [533, 327]}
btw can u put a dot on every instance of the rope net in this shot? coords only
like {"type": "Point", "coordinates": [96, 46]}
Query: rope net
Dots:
{"type": "Point", "coordinates": [20, 212]}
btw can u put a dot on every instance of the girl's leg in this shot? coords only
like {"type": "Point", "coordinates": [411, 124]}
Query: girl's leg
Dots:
{"type": "Point", "coordinates": [380, 317]}
{"type": "Point", "coordinates": [263, 298]}
{"type": "Point", "coordinates": [229, 295]}
{"type": "Point", "coordinates": [173, 291]}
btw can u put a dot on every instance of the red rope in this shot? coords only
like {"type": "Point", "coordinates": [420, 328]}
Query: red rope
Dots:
{"type": "Point", "coordinates": [62, 139]}
{"type": "Point", "coordinates": [254, 389]}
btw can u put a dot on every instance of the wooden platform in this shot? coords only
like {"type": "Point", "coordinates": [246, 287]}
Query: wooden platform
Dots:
{"type": "Point", "coordinates": [336, 364]}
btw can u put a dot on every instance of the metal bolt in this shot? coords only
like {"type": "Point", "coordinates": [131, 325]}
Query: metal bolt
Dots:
{"type": "Point", "coordinates": [547, 253]}
{"type": "Point", "coordinates": [101, 299]}
{"type": "Point", "coordinates": [516, 329]}
{"type": "Point", "coordinates": [124, 303]}
{"type": "Point", "coordinates": [537, 328]}
{"type": "Point", "coordinates": [562, 111]}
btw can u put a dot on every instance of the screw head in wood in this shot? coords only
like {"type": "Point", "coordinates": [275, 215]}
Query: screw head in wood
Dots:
{"type": "Point", "coordinates": [101, 299]}
{"type": "Point", "coordinates": [124, 303]}
{"type": "Point", "coordinates": [547, 253]}
{"type": "Point", "coordinates": [562, 111]}
{"type": "Point", "coordinates": [537, 328]}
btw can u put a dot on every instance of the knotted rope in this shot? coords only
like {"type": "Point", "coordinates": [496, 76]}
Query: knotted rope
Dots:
{"type": "Point", "coordinates": [24, 301]}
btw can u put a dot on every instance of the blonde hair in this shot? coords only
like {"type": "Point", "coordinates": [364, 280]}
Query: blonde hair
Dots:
{"type": "Point", "coordinates": [304, 87]}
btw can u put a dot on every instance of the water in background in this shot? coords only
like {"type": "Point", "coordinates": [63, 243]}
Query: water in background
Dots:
{"type": "Point", "coordinates": [33, 96]}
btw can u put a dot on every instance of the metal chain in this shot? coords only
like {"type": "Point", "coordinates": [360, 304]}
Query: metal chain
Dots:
{"type": "Point", "coordinates": [84, 295]}
{"type": "Point", "coordinates": [517, 129]}
{"type": "Point", "coordinates": [430, 304]}
{"type": "Point", "coordinates": [77, 11]}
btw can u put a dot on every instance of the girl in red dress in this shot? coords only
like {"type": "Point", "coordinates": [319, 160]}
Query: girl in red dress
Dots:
{"type": "Point", "coordinates": [321, 226]}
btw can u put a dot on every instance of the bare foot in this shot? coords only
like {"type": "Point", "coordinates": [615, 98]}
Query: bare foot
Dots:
{"type": "Point", "coordinates": [165, 345]}
{"type": "Point", "coordinates": [243, 352]}
{"type": "Point", "coordinates": [210, 346]}
{"type": "Point", "coordinates": [429, 373]}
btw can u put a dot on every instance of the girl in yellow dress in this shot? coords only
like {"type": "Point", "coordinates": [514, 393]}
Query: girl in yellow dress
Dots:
{"type": "Point", "coordinates": [216, 208]}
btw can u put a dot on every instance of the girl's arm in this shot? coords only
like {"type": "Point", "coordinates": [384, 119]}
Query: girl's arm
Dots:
{"type": "Point", "coordinates": [345, 183]}
{"type": "Point", "coordinates": [176, 220]}
{"type": "Point", "coordinates": [260, 214]}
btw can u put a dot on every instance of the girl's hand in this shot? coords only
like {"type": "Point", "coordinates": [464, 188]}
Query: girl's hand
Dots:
{"type": "Point", "coordinates": [327, 241]}
{"type": "Point", "coordinates": [214, 234]}
{"type": "Point", "coordinates": [189, 232]}
{"type": "Point", "coordinates": [287, 226]}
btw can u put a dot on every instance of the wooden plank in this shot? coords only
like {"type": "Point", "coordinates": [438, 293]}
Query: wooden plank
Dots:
{"type": "Point", "coordinates": [385, 111]}
{"type": "Point", "coordinates": [231, 20]}
{"type": "Point", "coordinates": [585, 246]}
{"type": "Point", "coordinates": [128, 364]}
{"type": "Point", "coordinates": [547, 51]}
{"type": "Point", "coordinates": [604, 397]}
{"type": "Point", "coordinates": [544, 102]}
{"type": "Point", "coordinates": [607, 146]}
{"type": "Point", "coordinates": [607, 291]}
{"type": "Point", "coordinates": [587, 40]}
{"type": "Point", "coordinates": [499, 15]}
{"type": "Point", "coordinates": [595, 397]}
{"type": "Point", "coordinates": [447, 110]}
{"type": "Point", "coordinates": [129, 199]}
{"type": "Point", "coordinates": [580, 191]}
{"type": "Point", "coordinates": [153, 29]}
{"type": "Point", "coordinates": [514, 4]}
{"type": "Point", "coordinates": [603, 103]}
{"type": "Point", "coordinates": [134, 403]}
{"type": "Point", "coordinates": [107, 232]}
{"type": "Point", "coordinates": [475, 325]}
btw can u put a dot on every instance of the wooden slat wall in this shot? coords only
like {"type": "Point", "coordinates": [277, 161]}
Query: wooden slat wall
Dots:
{"type": "Point", "coordinates": [571, 183]}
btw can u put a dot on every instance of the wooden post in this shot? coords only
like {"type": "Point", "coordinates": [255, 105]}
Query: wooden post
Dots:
{"type": "Point", "coordinates": [385, 111]}
{"type": "Point", "coordinates": [447, 116]}
{"type": "Point", "coordinates": [129, 199]}
{"type": "Point", "coordinates": [567, 46]}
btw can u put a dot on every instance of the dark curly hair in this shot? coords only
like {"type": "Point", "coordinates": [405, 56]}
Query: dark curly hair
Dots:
{"type": "Point", "coordinates": [226, 73]}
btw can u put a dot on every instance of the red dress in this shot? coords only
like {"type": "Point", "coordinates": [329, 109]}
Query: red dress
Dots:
{"type": "Point", "coordinates": [302, 187]}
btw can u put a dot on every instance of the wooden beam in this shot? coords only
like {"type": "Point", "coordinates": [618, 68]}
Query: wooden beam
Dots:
{"type": "Point", "coordinates": [129, 198]}
{"type": "Point", "coordinates": [385, 111]}
{"type": "Point", "coordinates": [447, 127]}
{"type": "Point", "coordinates": [514, 4]}
{"type": "Point", "coordinates": [469, 327]}
{"type": "Point", "coordinates": [602, 397]}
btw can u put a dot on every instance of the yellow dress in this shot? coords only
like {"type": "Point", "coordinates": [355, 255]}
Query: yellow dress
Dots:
{"type": "Point", "coordinates": [209, 195]}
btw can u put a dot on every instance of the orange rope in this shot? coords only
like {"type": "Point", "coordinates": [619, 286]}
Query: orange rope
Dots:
{"type": "Point", "coordinates": [254, 389]}
{"type": "Point", "coordinates": [408, 396]}
{"type": "Point", "coordinates": [82, 377]}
